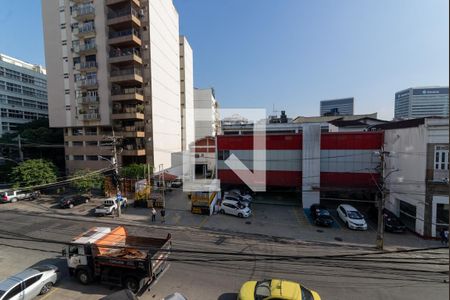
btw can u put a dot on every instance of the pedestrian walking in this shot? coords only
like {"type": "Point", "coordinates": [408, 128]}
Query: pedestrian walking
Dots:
{"type": "Point", "coordinates": [442, 236]}
{"type": "Point", "coordinates": [153, 214]}
{"type": "Point", "coordinates": [163, 215]}
{"type": "Point", "coordinates": [446, 236]}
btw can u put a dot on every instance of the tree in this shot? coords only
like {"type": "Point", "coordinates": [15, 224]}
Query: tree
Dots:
{"type": "Point", "coordinates": [87, 181]}
{"type": "Point", "coordinates": [33, 172]}
{"type": "Point", "coordinates": [134, 171]}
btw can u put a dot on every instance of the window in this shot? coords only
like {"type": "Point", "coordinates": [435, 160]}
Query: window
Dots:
{"type": "Point", "coordinates": [224, 154]}
{"type": "Point", "coordinates": [78, 157]}
{"type": "Point", "coordinates": [77, 144]}
{"type": "Point", "coordinates": [90, 131]}
{"type": "Point", "coordinates": [441, 158]}
{"type": "Point", "coordinates": [15, 290]}
{"type": "Point", "coordinates": [91, 157]}
{"type": "Point", "coordinates": [92, 143]}
{"type": "Point", "coordinates": [32, 280]}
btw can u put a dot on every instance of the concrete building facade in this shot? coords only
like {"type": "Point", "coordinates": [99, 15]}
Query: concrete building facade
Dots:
{"type": "Point", "coordinates": [207, 120]}
{"type": "Point", "coordinates": [23, 93]}
{"type": "Point", "coordinates": [114, 68]}
{"type": "Point", "coordinates": [337, 107]}
{"type": "Point", "coordinates": [421, 102]}
{"type": "Point", "coordinates": [417, 160]}
{"type": "Point", "coordinates": [187, 93]}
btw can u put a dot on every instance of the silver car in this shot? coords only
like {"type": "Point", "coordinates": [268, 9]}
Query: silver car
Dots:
{"type": "Point", "coordinates": [29, 284]}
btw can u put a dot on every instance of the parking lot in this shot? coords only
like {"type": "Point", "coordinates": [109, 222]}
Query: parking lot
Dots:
{"type": "Point", "coordinates": [273, 214]}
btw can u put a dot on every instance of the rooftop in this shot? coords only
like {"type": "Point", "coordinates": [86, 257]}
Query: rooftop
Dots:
{"type": "Point", "coordinates": [326, 119]}
{"type": "Point", "coordinates": [19, 63]}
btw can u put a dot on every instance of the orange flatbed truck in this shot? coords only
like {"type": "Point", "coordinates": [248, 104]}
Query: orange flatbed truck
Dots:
{"type": "Point", "coordinates": [114, 257]}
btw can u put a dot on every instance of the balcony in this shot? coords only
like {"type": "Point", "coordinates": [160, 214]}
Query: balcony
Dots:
{"type": "Point", "coordinates": [127, 114]}
{"type": "Point", "coordinates": [118, 56]}
{"type": "Point", "coordinates": [89, 117]}
{"type": "Point", "coordinates": [88, 66]}
{"type": "Point", "coordinates": [132, 150]}
{"type": "Point", "coordinates": [131, 132]}
{"type": "Point", "coordinates": [127, 94]}
{"type": "Point", "coordinates": [85, 31]}
{"type": "Point", "coordinates": [114, 2]}
{"type": "Point", "coordinates": [125, 37]}
{"type": "Point", "coordinates": [87, 83]}
{"type": "Point", "coordinates": [129, 75]}
{"type": "Point", "coordinates": [83, 13]}
{"type": "Point", "coordinates": [87, 49]}
{"type": "Point", "coordinates": [88, 100]}
{"type": "Point", "coordinates": [123, 17]}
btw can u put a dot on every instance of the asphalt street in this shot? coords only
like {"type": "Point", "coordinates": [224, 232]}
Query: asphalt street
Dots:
{"type": "Point", "coordinates": [213, 265]}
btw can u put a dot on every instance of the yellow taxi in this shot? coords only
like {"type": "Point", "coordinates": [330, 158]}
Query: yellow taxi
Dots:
{"type": "Point", "coordinates": [275, 289]}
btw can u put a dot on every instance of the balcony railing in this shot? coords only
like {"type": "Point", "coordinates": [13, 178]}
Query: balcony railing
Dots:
{"type": "Point", "coordinates": [83, 10]}
{"type": "Point", "coordinates": [117, 52]}
{"type": "Point", "coordinates": [128, 110]}
{"type": "Point", "coordinates": [127, 91]}
{"type": "Point", "coordinates": [129, 71]}
{"type": "Point", "coordinates": [127, 32]}
{"type": "Point", "coordinates": [88, 65]}
{"type": "Point", "coordinates": [87, 82]}
{"type": "Point", "coordinates": [88, 99]}
{"type": "Point", "coordinates": [88, 117]}
{"type": "Point", "coordinates": [133, 147]}
{"type": "Point", "coordinates": [123, 12]}
{"type": "Point", "coordinates": [87, 47]}
{"type": "Point", "coordinates": [86, 29]}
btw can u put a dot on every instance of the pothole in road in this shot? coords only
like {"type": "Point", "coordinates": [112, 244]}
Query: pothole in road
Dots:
{"type": "Point", "coordinates": [319, 230]}
{"type": "Point", "coordinates": [248, 222]}
{"type": "Point", "coordinates": [338, 239]}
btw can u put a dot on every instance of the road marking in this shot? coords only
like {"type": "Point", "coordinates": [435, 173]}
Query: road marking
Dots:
{"type": "Point", "coordinates": [49, 293]}
{"type": "Point", "coordinates": [202, 223]}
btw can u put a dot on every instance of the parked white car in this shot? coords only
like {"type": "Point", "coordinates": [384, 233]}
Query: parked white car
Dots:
{"type": "Point", "coordinates": [239, 199]}
{"type": "Point", "coordinates": [109, 206]}
{"type": "Point", "coordinates": [236, 192]}
{"type": "Point", "coordinates": [29, 284]}
{"type": "Point", "coordinates": [352, 218]}
{"type": "Point", "coordinates": [233, 207]}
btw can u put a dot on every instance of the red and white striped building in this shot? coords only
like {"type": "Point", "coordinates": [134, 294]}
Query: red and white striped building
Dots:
{"type": "Point", "coordinates": [347, 160]}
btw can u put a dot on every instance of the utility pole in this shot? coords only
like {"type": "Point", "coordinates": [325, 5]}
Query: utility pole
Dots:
{"type": "Point", "coordinates": [382, 197]}
{"type": "Point", "coordinates": [163, 190]}
{"type": "Point", "coordinates": [380, 228]}
{"type": "Point", "coordinates": [114, 142]}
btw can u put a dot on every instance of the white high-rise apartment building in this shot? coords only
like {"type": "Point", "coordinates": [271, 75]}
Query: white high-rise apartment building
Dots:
{"type": "Point", "coordinates": [23, 93]}
{"type": "Point", "coordinates": [421, 102]}
{"type": "Point", "coordinates": [207, 120]}
{"type": "Point", "coordinates": [114, 67]}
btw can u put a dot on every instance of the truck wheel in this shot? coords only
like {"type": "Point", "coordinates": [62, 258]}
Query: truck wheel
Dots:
{"type": "Point", "coordinates": [240, 215]}
{"type": "Point", "coordinates": [83, 276]}
{"type": "Point", "coordinates": [13, 200]}
{"type": "Point", "coordinates": [222, 211]}
{"type": "Point", "coordinates": [132, 284]}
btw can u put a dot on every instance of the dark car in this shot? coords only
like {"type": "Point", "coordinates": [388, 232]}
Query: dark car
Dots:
{"type": "Point", "coordinates": [71, 201]}
{"type": "Point", "coordinates": [391, 222]}
{"type": "Point", "coordinates": [320, 215]}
